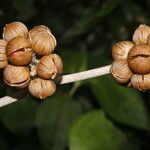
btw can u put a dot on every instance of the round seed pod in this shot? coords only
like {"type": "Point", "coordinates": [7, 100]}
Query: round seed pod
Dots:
{"type": "Point", "coordinates": [18, 51]}
{"type": "Point", "coordinates": [13, 30]}
{"type": "Point", "coordinates": [3, 57]}
{"type": "Point", "coordinates": [16, 76]}
{"type": "Point", "coordinates": [43, 43]}
{"type": "Point", "coordinates": [139, 59]}
{"type": "Point", "coordinates": [50, 66]}
{"type": "Point", "coordinates": [121, 49]}
{"type": "Point", "coordinates": [141, 82]}
{"type": "Point", "coordinates": [121, 72]}
{"type": "Point", "coordinates": [37, 29]}
{"type": "Point", "coordinates": [41, 88]}
{"type": "Point", "coordinates": [148, 40]}
{"type": "Point", "coordinates": [141, 34]}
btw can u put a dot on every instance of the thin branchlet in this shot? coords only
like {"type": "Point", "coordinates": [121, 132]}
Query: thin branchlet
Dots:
{"type": "Point", "coordinates": [65, 79]}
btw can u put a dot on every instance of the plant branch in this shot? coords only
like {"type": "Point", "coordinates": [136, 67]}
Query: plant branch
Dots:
{"type": "Point", "coordinates": [65, 79]}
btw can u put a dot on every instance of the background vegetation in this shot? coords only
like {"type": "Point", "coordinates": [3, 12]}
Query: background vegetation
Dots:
{"type": "Point", "coordinates": [95, 114]}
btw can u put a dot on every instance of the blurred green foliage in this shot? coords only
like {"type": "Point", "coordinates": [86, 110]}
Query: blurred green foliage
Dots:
{"type": "Point", "coordinates": [95, 114]}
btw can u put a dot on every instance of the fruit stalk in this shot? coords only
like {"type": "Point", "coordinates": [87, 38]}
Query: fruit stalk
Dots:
{"type": "Point", "coordinates": [65, 79]}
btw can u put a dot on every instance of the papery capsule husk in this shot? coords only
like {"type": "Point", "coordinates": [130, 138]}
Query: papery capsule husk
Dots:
{"type": "Point", "coordinates": [43, 43]}
{"type": "Point", "coordinates": [16, 76]}
{"type": "Point", "coordinates": [139, 59]}
{"type": "Point", "coordinates": [141, 82]}
{"type": "Point", "coordinates": [21, 58]}
{"type": "Point", "coordinates": [3, 44]}
{"type": "Point", "coordinates": [18, 85]}
{"type": "Point", "coordinates": [50, 66]}
{"type": "Point", "coordinates": [3, 61]}
{"type": "Point", "coordinates": [148, 40]}
{"type": "Point", "coordinates": [37, 29]}
{"type": "Point", "coordinates": [121, 49]}
{"type": "Point", "coordinates": [16, 44]}
{"type": "Point", "coordinates": [120, 71]}
{"type": "Point", "coordinates": [3, 57]}
{"type": "Point", "coordinates": [19, 51]}
{"type": "Point", "coordinates": [13, 30]}
{"type": "Point", "coordinates": [141, 34]}
{"type": "Point", "coordinates": [41, 88]}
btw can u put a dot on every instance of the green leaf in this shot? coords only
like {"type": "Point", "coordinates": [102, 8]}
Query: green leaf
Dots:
{"type": "Point", "coordinates": [88, 20]}
{"type": "Point", "coordinates": [1, 12]}
{"type": "Point", "coordinates": [3, 144]}
{"type": "Point", "coordinates": [54, 119]}
{"type": "Point", "coordinates": [27, 144]}
{"type": "Point", "coordinates": [25, 8]}
{"type": "Point", "coordinates": [94, 131]}
{"type": "Point", "coordinates": [74, 62]}
{"type": "Point", "coordinates": [2, 88]}
{"type": "Point", "coordinates": [122, 104]}
{"type": "Point", "coordinates": [19, 117]}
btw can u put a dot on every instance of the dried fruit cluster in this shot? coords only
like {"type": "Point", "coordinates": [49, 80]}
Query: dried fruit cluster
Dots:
{"type": "Point", "coordinates": [132, 60]}
{"type": "Point", "coordinates": [19, 50]}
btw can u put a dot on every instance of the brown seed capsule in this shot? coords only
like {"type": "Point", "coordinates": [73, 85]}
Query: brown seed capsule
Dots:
{"type": "Point", "coordinates": [120, 71]}
{"type": "Point", "coordinates": [148, 40]}
{"type": "Point", "coordinates": [41, 88]}
{"type": "Point", "coordinates": [3, 57]}
{"type": "Point", "coordinates": [49, 66]}
{"type": "Point", "coordinates": [141, 33]}
{"type": "Point", "coordinates": [16, 76]}
{"type": "Point", "coordinates": [43, 43]}
{"type": "Point", "coordinates": [13, 30]}
{"type": "Point", "coordinates": [141, 82]}
{"type": "Point", "coordinates": [37, 29]}
{"type": "Point", "coordinates": [18, 51]}
{"type": "Point", "coordinates": [121, 49]}
{"type": "Point", "coordinates": [139, 59]}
